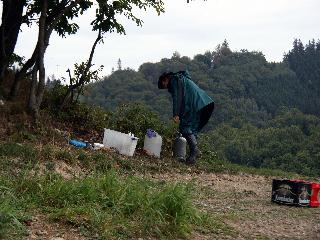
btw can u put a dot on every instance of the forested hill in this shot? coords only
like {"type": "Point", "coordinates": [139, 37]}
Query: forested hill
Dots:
{"type": "Point", "coordinates": [266, 115]}
{"type": "Point", "coordinates": [245, 87]}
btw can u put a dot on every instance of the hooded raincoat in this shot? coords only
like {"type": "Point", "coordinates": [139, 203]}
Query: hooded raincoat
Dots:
{"type": "Point", "coordinates": [193, 106]}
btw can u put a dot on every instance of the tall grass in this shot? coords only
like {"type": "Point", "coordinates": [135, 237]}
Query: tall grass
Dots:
{"type": "Point", "coordinates": [11, 218]}
{"type": "Point", "coordinates": [107, 205]}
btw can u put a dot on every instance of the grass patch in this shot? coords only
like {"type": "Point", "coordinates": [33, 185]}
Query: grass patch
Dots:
{"type": "Point", "coordinates": [25, 152]}
{"type": "Point", "coordinates": [213, 225]}
{"type": "Point", "coordinates": [15, 157]}
{"type": "Point", "coordinates": [107, 205]}
{"type": "Point", "coordinates": [11, 218]}
{"type": "Point", "coordinates": [65, 155]}
{"type": "Point", "coordinates": [104, 202]}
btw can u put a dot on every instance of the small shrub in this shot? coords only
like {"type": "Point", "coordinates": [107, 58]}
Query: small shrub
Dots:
{"type": "Point", "coordinates": [78, 114]}
{"type": "Point", "coordinates": [11, 226]}
{"type": "Point", "coordinates": [28, 136]}
{"type": "Point", "coordinates": [47, 153]}
{"type": "Point", "coordinates": [137, 118]}
{"type": "Point", "coordinates": [84, 116]}
{"type": "Point", "coordinates": [53, 95]}
{"type": "Point", "coordinates": [22, 133]}
{"type": "Point", "coordinates": [101, 162]}
{"type": "Point", "coordinates": [83, 158]}
{"type": "Point", "coordinates": [4, 224]}
{"type": "Point", "coordinates": [50, 166]}
{"type": "Point", "coordinates": [171, 212]}
{"type": "Point", "coordinates": [25, 152]}
{"type": "Point", "coordinates": [65, 156]}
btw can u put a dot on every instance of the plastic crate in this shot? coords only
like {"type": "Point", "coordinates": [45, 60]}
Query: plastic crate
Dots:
{"type": "Point", "coordinates": [295, 192]}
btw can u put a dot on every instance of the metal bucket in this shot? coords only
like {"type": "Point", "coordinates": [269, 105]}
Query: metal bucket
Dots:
{"type": "Point", "coordinates": [179, 148]}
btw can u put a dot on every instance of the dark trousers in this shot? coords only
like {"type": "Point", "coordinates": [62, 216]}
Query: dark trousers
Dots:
{"type": "Point", "coordinates": [205, 114]}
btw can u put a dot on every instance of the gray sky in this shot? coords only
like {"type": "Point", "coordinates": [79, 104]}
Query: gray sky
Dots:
{"type": "Point", "coordinates": [269, 26]}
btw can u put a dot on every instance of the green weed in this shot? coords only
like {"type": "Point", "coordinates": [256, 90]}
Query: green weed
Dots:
{"type": "Point", "coordinates": [65, 155]}
{"type": "Point", "coordinates": [47, 153]}
{"type": "Point", "coordinates": [107, 205]}
{"type": "Point", "coordinates": [26, 155]}
{"type": "Point", "coordinates": [11, 219]}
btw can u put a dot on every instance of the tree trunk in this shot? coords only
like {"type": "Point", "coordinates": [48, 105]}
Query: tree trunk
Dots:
{"type": "Point", "coordinates": [32, 104]}
{"type": "Point", "coordinates": [51, 22]}
{"type": "Point", "coordinates": [22, 73]}
{"type": "Point", "coordinates": [9, 31]}
{"type": "Point", "coordinates": [38, 85]}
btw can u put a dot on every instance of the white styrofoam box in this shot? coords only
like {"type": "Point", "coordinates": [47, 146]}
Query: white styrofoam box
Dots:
{"type": "Point", "coordinates": [124, 143]}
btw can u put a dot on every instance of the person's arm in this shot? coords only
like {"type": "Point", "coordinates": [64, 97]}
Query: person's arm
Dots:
{"type": "Point", "coordinates": [176, 119]}
{"type": "Point", "coordinates": [177, 96]}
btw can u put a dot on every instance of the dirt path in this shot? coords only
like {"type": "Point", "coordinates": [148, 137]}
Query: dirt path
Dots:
{"type": "Point", "coordinates": [40, 227]}
{"type": "Point", "coordinates": [242, 203]}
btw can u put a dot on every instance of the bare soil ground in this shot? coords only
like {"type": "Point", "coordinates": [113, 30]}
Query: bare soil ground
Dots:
{"type": "Point", "coordinates": [243, 204]}
{"type": "Point", "coordinates": [40, 227]}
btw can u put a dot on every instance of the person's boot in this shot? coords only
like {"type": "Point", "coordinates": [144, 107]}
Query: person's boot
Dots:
{"type": "Point", "coordinates": [194, 151]}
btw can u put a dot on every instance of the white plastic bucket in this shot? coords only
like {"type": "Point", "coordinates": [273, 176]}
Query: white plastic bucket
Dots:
{"type": "Point", "coordinates": [124, 143]}
{"type": "Point", "coordinates": [152, 143]}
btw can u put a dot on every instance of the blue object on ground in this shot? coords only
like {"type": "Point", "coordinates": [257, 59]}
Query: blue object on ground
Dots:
{"type": "Point", "coordinates": [77, 143]}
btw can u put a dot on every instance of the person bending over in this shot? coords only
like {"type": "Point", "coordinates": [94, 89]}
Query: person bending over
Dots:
{"type": "Point", "coordinates": [192, 108]}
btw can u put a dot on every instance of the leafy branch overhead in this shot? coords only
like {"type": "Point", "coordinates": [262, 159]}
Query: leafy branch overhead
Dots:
{"type": "Point", "coordinates": [105, 19]}
{"type": "Point", "coordinates": [60, 16]}
{"type": "Point", "coordinates": [91, 75]}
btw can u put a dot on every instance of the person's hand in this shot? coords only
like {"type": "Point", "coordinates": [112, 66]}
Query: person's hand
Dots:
{"type": "Point", "coordinates": [176, 119]}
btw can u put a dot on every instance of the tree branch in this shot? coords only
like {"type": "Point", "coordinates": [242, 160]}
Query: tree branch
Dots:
{"type": "Point", "coordinates": [49, 26]}
{"type": "Point", "coordinates": [84, 73]}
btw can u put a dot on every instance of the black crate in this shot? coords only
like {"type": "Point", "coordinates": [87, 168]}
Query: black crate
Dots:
{"type": "Point", "coordinates": [291, 192]}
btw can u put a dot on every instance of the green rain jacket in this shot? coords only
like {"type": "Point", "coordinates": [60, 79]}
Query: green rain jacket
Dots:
{"type": "Point", "coordinates": [193, 106]}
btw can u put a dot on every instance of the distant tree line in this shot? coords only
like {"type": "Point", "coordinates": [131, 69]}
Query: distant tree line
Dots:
{"type": "Point", "coordinates": [243, 84]}
{"type": "Point", "coordinates": [289, 142]}
{"type": "Point", "coordinates": [305, 62]}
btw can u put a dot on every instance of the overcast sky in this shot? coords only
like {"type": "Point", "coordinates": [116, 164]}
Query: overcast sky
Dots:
{"type": "Point", "coordinates": [269, 26]}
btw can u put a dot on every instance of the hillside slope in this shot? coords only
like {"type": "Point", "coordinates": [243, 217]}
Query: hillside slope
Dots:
{"type": "Point", "coordinates": [234, 202]}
